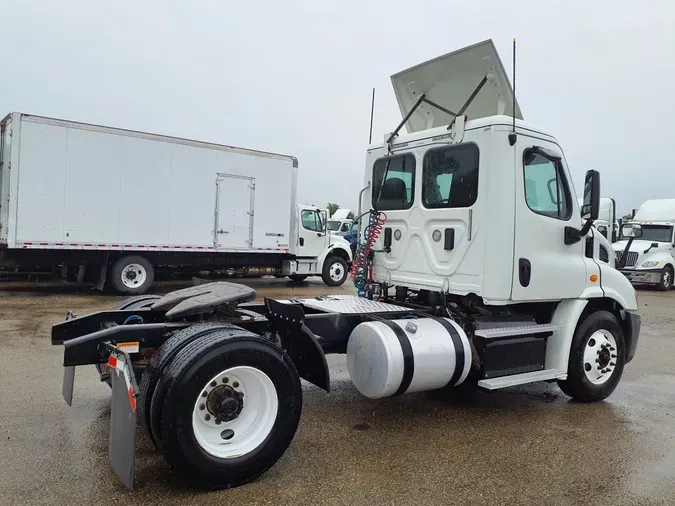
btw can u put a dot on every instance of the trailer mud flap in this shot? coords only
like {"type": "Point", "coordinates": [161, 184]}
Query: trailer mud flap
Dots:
{"type": "Point", "coordinates": [122, 449]}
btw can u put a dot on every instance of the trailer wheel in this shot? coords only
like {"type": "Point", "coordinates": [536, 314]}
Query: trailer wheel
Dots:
{"type": "Point", "coordinates": [140, 302]}
{"type": "Point", "coordinates": [231, 409]}
{"type": "Point", "coordinates": [157, 364]}
{"type": "Point", "coordinates": [666, 282]}
{"type": "Point", "coordinates": [132, 274]}
{"type": "Point", "coordinates": [597, 358]}
{"type": "Point", "coordinates": [334, 271]}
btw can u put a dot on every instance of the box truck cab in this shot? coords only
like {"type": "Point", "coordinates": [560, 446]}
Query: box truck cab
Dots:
{"type": "Point", "coordinates": [646, 254]}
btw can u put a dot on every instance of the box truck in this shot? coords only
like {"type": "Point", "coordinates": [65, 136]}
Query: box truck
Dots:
{"type": "Point", "coordinates": [113, 205]}
{"type": "Point", "coordinates": [476, 270]}
{"type": "Point", "coordinates": [646, 255]}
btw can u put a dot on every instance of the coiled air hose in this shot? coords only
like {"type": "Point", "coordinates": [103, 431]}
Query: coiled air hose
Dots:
{"type": "Point", "coordinates": [360, 266]}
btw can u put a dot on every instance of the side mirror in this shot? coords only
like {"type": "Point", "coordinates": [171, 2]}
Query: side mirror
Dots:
{"type": "Point", "coordinates": [591, 206]}
{"type": "Point", "coordinates": [632, 230]}
{"type": "Point", "coordinates": [590, 209]}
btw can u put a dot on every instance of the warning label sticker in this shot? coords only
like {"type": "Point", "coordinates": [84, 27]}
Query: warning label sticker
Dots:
{"type": "Point", "coordinates": [132, 347]}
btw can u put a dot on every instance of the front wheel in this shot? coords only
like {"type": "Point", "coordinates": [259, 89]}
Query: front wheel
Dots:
{"type": "Point", "coordinates": [334, 271]}
{"type": "Point", "coordinates": [666, 282]}
{"type": "Point", "coordinates": [231, 409]}
{"type": "Point", "coordinates": [597, 358]}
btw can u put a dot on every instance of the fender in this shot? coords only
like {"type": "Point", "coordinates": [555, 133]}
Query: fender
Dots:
{"type": "Point", "coordinates": [299, 342]}
{"type": "Point", "coordinates": [336, 243]}
{"type": "Point", "coordinates": [558, 347]}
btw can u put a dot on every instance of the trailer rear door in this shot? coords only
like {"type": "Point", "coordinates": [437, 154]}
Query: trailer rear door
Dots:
{"type": "Point", "coordinates": [235, 198]}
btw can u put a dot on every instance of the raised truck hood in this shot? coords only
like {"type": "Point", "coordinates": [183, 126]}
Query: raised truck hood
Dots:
{"type": "Point", "coordinates": [449, 81]}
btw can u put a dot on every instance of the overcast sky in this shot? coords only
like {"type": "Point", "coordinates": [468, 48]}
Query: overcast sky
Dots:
{"type": "Point", "coordinates": [295, 77]}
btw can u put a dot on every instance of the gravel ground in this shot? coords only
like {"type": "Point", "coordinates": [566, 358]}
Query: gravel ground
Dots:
{"type": "Point", "coordinates": [525, 445]}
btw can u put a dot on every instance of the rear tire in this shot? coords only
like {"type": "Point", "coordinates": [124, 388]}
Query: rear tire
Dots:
{"type": "Point", "coordinates": [597, 358]}
{"type": "Point", "coordinates": [334, 271]}
{"type": "Point", "coordinates": [666, 282]}
{"type": "Point", "coordinates": [132, 274]}
{"type": "Point", "coordinates": [205, 384]}
{"type": "Point", "coordinates": [159, 361]}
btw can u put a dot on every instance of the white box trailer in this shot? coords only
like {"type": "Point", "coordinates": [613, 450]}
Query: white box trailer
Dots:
{"type": "Point", "coordinates": [116, 204]}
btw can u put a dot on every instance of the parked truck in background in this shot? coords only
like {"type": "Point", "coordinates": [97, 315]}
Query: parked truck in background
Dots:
{"type": "Point", "coordinates": [112, 205]}
{"type": "Point", "coordinates": [648, 258]}
{"type": "Point", "coordinates": [476, 269]}
{"type": "Point", "coordinates": [607, 223]}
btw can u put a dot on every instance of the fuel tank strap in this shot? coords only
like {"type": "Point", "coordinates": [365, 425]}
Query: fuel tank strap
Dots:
{"type": "Point", "coordinates": [459, 348]}
{"type": "Point", "coordinates": [408, 358]}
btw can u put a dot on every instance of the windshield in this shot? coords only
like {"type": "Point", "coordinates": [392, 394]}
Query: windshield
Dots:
{"type": "Point", "coordinates": [656, 233]}
{"type": "Point", "coordinates": [333, 226]}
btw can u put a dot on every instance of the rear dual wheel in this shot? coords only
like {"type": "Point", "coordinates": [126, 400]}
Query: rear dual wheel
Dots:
{"type": "Point", "coordinates": [225, 407]}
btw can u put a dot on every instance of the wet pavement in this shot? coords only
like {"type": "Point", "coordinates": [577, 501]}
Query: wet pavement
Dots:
{"type": "Point", "coordinates": [525, 445]}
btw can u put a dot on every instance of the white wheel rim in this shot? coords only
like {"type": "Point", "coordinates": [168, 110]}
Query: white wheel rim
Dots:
{"type": "Point", "coordinates": [134, 275]}
{"type": "Point", "coordinates": [336, 271]}
{"type": "Point", "coordinates": [666, 278]}
{"type": "Point", "coordinates": [600, 357]}
{"type": "Point", "coordinates": [253, 420]}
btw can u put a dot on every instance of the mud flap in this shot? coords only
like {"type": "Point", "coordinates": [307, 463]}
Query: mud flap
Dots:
{"type": "Point", "coordinates": [68, 384]}
{"type": "Point", "coordinates": [122, 449]}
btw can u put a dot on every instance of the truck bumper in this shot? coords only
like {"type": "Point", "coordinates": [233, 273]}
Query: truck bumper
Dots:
{"type": "Point", "coordinates": [643, 276]}
{"type": "Point", "coordinates": [631, 328]}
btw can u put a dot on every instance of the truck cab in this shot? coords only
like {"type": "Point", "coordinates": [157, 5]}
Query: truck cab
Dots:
{"type": "Point", "coordinates": [646, 256]}
{"type": "Point", "coordinates": [317, 252]}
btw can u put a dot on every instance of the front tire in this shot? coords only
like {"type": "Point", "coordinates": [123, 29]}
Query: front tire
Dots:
{"type": "Point", "coordinates": [666, 282]}
{"type": "Point", "coordinates": [132, 274]}
{"type": "Point", "coordinates": [334, 271]}
{"type": "Point", "coordinates": [239, 389]}
{"type": "Point", "coordinates": [597, 358]}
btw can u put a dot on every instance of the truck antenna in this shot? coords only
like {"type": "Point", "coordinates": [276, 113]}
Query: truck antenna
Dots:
{"type": "Point", "coordinates": [512, 136]}
{"type": "Point", "coordinates": [372, 110]}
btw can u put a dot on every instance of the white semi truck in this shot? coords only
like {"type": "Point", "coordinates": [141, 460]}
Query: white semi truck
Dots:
{"type": "Point", "coordinates": [476, 269]}
{"type": "Point", "coordinates": [646, 257]}
{"type": "Point", "coordinates": [113, 205]}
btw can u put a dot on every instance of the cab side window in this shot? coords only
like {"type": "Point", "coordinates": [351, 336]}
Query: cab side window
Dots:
{"type": "Point", "coordinates": [546, 190]}
{"type": "Point", "coordinates": [398, 189]}
{"type": "Point", "coordinates": [450, 177]}
{"type": "Point", "coordinates": [311, 221]}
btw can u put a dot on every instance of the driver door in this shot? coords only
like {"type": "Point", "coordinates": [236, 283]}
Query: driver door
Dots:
{"type": "Point", "coordinates": [311, 234]}
{"type": "Point", "coordinates": [545, 268]}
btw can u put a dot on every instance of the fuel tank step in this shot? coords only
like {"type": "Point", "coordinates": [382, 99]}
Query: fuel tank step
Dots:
{"type": "Point", "coordinates": [521, 379]}
{"type": "Point", "coordinates": [521, 330]}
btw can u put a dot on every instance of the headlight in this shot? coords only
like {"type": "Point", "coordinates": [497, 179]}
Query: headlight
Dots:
{"type": "Point", "coordinates": [650, 264]}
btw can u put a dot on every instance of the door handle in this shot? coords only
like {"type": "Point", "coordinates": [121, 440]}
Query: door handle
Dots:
{"type": "Point", "coordinates": [221, 231]}
{"type": "Point", "coordinates": [301, 241]}
{"type": "Point", "coordinates": [524, 271]}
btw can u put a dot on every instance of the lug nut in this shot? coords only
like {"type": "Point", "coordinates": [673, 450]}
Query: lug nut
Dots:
{"type": "Point", "coordinates": [612, 364]}
{"type": "Point", "coordinates": [613, 356]}
{"type": "Point", "coordinates": [202, 407]}
{"type": "Point", "coordinates": [213, 383]}
{"type": "Point", "coordinates": [207, 417]}
{"type": "Point", "coordinates": [235, 384]}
